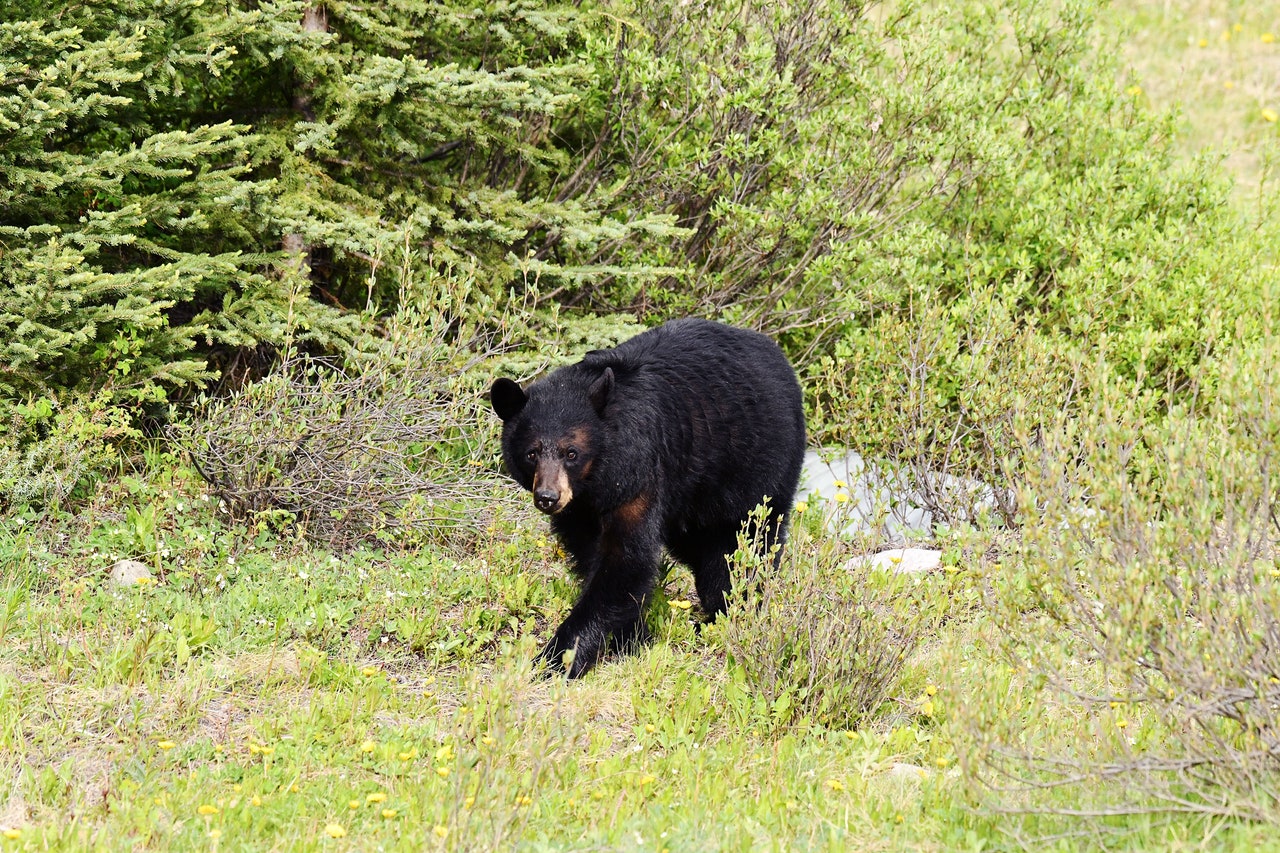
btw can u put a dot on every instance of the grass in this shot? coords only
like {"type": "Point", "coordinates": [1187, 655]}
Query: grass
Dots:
{"type": "Point", "coordinates": [1218, 63]}
{"type": "Point", "coordinates": [266, 695]}
{"type": "Point", "coordinates": [265, 692]}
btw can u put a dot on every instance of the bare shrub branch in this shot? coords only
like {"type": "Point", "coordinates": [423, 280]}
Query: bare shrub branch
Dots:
{"type": "Point", "coordinates": [386, 445]}
{"type": "Point", "coordinates": [1152, 608]}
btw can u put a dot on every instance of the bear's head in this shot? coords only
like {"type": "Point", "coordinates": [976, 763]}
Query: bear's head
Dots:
{"type": "Point", "coordinates": [552, 433]}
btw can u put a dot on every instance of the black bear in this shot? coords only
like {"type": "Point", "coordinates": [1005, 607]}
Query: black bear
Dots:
{"type": "Point", "coordinates": [670, 439]}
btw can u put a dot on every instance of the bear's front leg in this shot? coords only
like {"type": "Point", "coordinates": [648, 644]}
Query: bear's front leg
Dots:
{"type": "Point", "coordinates": [615, 594]}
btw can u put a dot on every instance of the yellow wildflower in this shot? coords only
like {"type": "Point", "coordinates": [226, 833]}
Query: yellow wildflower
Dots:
{"type": "Point", "coordinates": [334, 830]}
{"type": "Point", "coordinates": [1270, 115]}
{"type": "Point", "coordinates": [441, 831]}
{"type": "Point", "coordinates": [390, 813]}
{"type": "Point", "coordinates": [835, 784]}
{"type": "Point", "coordinates": [801, 506]}
{"type": "Point", "coordinates": [368, 746]}
{"type": "Point", "coordinates": [375, 797]}
{"type": "Point", "coordinates": [1268, 38]}
{"type": "Point", "coordinates": [166, 744]}
{"type": "Point", "coordinates": [207, 810]}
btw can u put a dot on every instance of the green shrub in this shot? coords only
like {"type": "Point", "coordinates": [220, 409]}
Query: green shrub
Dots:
{"type": "Point", "coordinates": [936, 208]}
{"type": "Point", "coordinates": [824, 637]}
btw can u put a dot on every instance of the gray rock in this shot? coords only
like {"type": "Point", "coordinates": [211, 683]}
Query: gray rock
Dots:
{"type": "Point", "coordinates": [129, 573]}
{"type": "Point", "coordinates": [884, 501]}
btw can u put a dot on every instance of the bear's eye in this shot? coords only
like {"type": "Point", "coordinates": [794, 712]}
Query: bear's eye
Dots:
{"type": "Point", "coordinates": [532, 455]}
{"type": "Point", "coordinates": [571, 454]}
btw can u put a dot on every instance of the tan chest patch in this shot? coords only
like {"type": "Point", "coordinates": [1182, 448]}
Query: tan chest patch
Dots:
{"type": "Point", "coordinates": [633, 512]}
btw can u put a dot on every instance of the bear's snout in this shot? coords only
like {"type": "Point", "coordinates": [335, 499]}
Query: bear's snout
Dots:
{"type": "Point", "coordinates": [551, 488]}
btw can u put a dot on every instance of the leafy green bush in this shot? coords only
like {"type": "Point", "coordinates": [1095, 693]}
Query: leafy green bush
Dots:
{"type": "Point", "coordinates": [48, 447]}
{"type": "Point", "coordinates": [936, 209]}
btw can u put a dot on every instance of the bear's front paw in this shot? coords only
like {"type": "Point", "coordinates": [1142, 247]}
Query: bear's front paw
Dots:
{"type": "Point", "coordinates": [551, 660]}
{"type": "Point", "coordinates": [569, 655]}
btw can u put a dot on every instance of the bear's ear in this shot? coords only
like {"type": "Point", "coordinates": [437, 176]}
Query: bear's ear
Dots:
{"type": "Point", "coordinates": [600, 390]}
{"type": "Point", "coordinates": [507, 398]}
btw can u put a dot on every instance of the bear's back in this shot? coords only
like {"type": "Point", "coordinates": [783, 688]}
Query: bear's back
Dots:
{"type": "Point", "coordinates": [718, 409]}
{"type": "Point", "coordinates": [706, 349]}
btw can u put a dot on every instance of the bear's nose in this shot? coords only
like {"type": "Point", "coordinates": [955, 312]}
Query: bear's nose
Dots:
{"type": "Point", "coordinates": [545, 499]}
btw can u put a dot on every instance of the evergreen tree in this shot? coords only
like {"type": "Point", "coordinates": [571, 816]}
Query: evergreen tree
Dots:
{"type": "Point", "coordinates": [160, 162]}
{"type": "Point", "coordinates": [439, 133]}
{"type": "Point", "coordinates": [133, 228]}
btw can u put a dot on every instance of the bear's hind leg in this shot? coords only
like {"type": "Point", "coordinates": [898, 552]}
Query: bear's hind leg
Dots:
{"type": "Point", "coordinates": [706, 554]}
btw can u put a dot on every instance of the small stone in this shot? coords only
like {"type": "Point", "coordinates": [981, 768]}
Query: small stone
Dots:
{"type": "Point", "coordinates": [129, 573]}
{"type": "Point", "coordinates": [913, 772]}
{"type": "Point", "coordinates": [903, 561]}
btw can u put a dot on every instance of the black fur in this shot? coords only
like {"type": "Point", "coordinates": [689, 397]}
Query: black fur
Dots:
{"type": "Point", "coordinates": [671, 439]}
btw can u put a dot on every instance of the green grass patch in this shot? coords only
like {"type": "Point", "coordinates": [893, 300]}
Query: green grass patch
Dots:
{"type": "Point", "coordinates": [265, 694]}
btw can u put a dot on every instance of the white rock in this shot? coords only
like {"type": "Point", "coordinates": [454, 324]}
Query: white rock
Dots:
{"type": "Point", "coordinates": [904, 771]}
{"type": "Point", "coordinates": [129, 573]}
{"type": "Point", "coordinates": [904, 561]}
